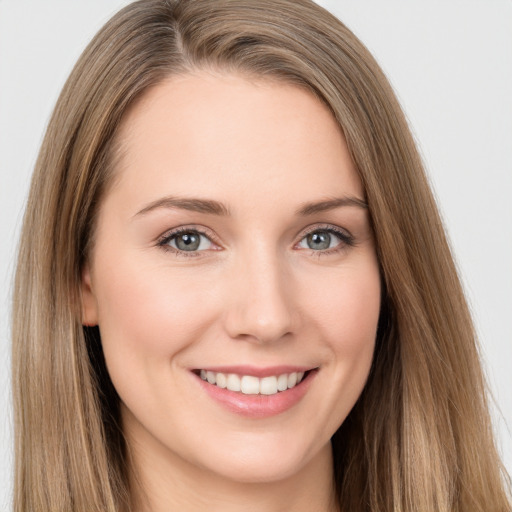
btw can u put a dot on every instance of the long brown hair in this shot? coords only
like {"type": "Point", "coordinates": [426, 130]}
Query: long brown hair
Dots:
{"type": "Point", "coordinates": [418, 439]}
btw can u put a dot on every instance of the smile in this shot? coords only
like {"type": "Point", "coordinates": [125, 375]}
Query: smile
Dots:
{"type": "Point", "coordinates": [256, 392]}
{"type": "Point", "coordinates": [251, 385]}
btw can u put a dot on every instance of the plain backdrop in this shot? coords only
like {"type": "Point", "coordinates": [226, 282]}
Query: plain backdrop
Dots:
{"type": "Point", "coordinates": [451, 65]}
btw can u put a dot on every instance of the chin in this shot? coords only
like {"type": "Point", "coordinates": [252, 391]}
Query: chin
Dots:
{"type": "Point", "coordinates": [263, 460]}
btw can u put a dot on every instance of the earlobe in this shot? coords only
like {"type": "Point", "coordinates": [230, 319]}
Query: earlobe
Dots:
{"type": "Point", "coordinates": [88, 299]}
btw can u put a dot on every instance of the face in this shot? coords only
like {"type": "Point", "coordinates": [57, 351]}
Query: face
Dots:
{"type": "Point", "coordinates": [234, 277]}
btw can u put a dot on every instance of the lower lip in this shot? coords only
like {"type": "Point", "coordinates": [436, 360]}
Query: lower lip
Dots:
{"type": "Point", "coordinates": [258, 406]}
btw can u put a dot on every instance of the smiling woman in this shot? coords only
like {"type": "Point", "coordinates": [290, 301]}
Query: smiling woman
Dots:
{"type": "Point", "coordinates": [233, 286]}
{"type": "Point", "coordinates": [275, 268]}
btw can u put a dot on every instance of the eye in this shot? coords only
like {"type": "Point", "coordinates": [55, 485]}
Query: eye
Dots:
{"type": "Point", "coordinates": [324, 239]}
{"type": "Point", "coordinates": [187, 241]}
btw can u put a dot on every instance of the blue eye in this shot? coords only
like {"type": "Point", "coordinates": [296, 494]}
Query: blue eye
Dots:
{"type": "Point", "coordinates": [324, 239]}
{"type": "Point", "coordinates": [188, 241]}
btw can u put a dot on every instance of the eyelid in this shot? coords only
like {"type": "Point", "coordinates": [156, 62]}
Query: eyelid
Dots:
{"type": "Point", "coordinates": [347, 239]}
{"type": "Point", "coordinates": [163, 239]}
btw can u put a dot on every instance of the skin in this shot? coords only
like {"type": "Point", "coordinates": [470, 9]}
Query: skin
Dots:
{"type": "Point", "coordinates": [255, 293]}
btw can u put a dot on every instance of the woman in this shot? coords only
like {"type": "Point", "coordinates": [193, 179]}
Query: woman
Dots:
{"type": "Point", "coordinates": [233, 284]}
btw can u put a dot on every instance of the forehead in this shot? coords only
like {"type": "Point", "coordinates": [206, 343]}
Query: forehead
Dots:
{"type": "Point", "coordinates": [227, 135]}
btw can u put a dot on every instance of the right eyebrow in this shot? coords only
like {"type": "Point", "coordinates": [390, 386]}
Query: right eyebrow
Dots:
{"type": "Point", "coordinates": [186, 203]}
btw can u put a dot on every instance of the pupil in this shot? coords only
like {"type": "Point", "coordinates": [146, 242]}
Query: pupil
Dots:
{"type": "Point", "coordinates": [187, 242]}
{"type": "Point", "coordinates": [319, 240]}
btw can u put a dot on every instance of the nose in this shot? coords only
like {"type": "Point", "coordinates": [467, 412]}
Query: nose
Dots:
{"type": "Point", "coordinates": [261, 300]}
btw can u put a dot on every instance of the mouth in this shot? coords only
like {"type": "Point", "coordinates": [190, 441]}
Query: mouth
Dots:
{"type": "Point", "coordinates": [252, 385]}
{"type": "Point", "coordinates": [254, 392]}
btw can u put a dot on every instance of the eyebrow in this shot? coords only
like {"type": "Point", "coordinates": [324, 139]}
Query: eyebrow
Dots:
{"type": "Point", "coordinates": [184, 203]}
{"type": "Point", "coordinates": [212, 207]}
{"type": "Point", "coordinates": [330, 204]}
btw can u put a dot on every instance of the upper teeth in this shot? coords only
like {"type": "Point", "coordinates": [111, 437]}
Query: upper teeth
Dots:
{"type": "Point", "coordinates": [251, 385]}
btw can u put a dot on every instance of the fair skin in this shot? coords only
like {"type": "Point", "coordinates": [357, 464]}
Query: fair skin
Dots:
{"type": "Point", "coordinates": [276, 273]}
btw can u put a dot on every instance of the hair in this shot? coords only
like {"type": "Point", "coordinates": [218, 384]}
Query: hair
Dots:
{"type": "Point", "coordinates": [419, 438]}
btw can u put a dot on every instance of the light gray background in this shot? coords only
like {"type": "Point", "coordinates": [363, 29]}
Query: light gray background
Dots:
{"type": "Point", "coordinates": [450, 62]}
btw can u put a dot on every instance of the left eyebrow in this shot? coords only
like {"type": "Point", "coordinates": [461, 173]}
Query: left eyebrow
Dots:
{"type": "Point", "coordinates": [330, 204]}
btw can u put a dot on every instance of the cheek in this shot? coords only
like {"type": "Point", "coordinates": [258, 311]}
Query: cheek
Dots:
{"type": "Point", "coordinates": [346, 305]}
{"type": "Point", "coordinates": [148, 321]}
{"type": "Point", "coordinates": [357, 321]}
{"type": "Point", "coordinates": [147, 314]}
{"type": "Point", "coordinates": [346, 312]}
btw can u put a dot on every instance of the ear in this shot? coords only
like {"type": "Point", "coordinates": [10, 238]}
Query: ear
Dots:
{"type": "Point", "coordinates": [89, 304]}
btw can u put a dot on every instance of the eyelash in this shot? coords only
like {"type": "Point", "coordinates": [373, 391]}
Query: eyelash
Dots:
{"type": "Point", "coordinates": [164, 240]}
{"type": "Point", "coordinates": [346, 239]}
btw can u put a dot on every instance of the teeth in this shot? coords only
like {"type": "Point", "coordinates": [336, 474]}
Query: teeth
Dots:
{"type": "Point", "coordinates": [282, 382]}
{"type": "Point", "coordinates": [250, 385]}
{"type": "Point", "coordinates": [233, 382]}
{"type": "Point", "coordinates": [268, 386]}
{"type": "Point", "coordinates": [221, 380]}
{"type": "Point", "coordinates": [292, 379]}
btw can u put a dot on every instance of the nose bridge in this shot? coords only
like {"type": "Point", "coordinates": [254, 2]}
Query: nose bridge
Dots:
{"type": "Point", "coordinates": [261, 305]}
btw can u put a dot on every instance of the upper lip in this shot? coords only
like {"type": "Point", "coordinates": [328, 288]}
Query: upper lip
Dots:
{"type": "Point", "coordinates": [257, 371]}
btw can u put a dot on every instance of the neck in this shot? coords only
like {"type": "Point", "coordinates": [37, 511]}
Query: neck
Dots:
{"type": "Point", "coordinates": [172, 483]}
